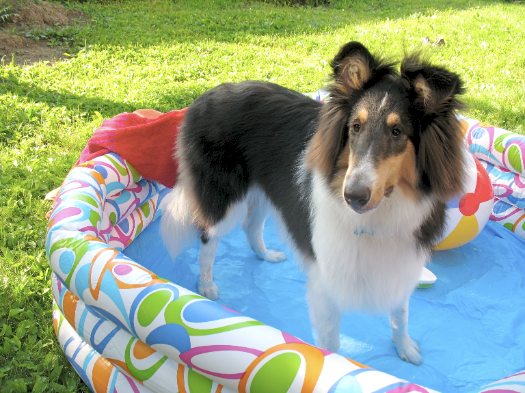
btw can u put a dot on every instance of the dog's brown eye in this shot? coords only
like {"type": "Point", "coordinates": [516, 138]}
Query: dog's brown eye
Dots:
{"type": "Point", "coordinates": [396, 132]}
{"type": "Point", "coordinates": [356, 127]}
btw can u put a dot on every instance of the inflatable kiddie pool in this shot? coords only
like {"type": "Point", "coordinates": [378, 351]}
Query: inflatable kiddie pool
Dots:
{"type": "Point", "coordinates": [128, 318]}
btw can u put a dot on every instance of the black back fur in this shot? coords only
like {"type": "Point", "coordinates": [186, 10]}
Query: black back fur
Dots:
{"type": "Point", "coordinates": [256, 133]}
{"type": "Point", "coordinates": [251, 133]}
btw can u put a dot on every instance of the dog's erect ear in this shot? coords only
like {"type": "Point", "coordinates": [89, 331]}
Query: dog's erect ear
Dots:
{"type": "Point", "coordinates": [434, 89]}
{"type": "Point", "coordinates": [353, 66]}
{"type": "Point", "coordinates": [433, 92]}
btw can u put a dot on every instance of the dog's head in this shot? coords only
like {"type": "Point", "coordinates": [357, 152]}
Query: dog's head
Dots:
{"type": "Point", "coordinates": [381, 129]}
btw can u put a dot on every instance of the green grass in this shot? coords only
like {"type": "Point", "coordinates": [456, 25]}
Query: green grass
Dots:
{"type": "Point", "coordinates": [163, 54]}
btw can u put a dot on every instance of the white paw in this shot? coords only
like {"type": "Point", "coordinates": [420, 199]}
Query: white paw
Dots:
{"type": "Point", "coordinates": [272, 256]}
{"type": "Point", "coordinates": [408, 350]}
{"type": "Point", "coordinates": [208, 289]}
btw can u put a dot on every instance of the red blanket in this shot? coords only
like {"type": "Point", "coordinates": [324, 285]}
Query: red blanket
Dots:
{"type": "Point", "coordinates": [145, 138]}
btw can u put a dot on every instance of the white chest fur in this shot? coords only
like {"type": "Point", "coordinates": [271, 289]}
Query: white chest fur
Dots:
{"type": "Point", "coordinates": [367, 261]}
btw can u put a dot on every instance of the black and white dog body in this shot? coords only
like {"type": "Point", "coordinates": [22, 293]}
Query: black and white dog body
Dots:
{"type": "Point", "coordinates": [359, 183]}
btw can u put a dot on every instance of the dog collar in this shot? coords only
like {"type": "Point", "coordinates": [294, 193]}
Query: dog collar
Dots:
{"type": "Point", "coordinates": [363, 232]}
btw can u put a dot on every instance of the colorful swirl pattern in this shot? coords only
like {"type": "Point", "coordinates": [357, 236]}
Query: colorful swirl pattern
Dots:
{"type": "Point", "coordinates": [126, 330]}
{"type": "Point", "coordinates": [502, 153]}
{"type": "Point", "coordinates": [98, 373]}
{"type": "Point", "coordinates": [514, 383]}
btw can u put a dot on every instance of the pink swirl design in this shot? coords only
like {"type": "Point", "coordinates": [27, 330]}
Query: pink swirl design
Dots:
{"type": "Point", "coordinates": [187, 357]}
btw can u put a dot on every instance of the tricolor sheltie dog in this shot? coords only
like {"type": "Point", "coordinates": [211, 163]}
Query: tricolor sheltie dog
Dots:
{"type": "Point", "coordinates": [359, 183]}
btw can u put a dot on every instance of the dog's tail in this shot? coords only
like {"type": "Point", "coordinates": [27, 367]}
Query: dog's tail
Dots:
{"type": "Point", "coordinates": [177, 226]}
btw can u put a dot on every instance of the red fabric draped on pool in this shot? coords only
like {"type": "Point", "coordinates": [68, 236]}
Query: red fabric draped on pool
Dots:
{"type": "Point", "coordinates": [145, 138]}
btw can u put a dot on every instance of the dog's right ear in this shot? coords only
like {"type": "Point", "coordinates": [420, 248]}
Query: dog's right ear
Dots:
{"type": "Point", "coordinates": [353, 67]}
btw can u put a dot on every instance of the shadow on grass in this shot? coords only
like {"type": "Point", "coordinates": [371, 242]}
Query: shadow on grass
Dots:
{"type": "Point", "coordinates": [78, 103]}
{"type": "Point", "coordinates": [53, 98]}
{"type": "Point", "coordinates": [86, 104]}
{"type": "Point", "coordinates": [485, 111]}
{"type": "Point", "coordinates": [189, 21]}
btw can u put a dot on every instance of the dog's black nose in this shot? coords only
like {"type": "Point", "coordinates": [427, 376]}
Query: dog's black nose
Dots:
{"type": "Point", "coordinates": [357, 197]}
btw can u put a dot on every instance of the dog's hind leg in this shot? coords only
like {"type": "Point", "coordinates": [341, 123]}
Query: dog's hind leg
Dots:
{"type": "Point", "coordinates": [207, 286]}
{"type": "Point", "coordinates": [253, 226]}
{"type": "Point", "coordinates": [325, 315]}
{"type": "Point", "coordinates": [407, 349]}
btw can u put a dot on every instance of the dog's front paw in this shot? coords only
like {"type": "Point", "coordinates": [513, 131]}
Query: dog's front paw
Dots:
{"type": "Point", "coordinates": [208, 289]}
{"type": "Point", "coordinates": [408, 350]}
{"type": "Point", "coordinates": [273, 256]}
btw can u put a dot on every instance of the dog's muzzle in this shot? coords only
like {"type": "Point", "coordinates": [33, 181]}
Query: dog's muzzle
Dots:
{"type": "Point", "coordinates": [357, 197]}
